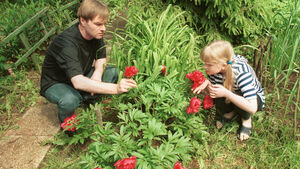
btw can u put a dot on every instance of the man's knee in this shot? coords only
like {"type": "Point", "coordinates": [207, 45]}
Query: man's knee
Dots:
{"type": "Point", "coordinates": [69, 102]}
{"type": "Point", "coordinates": [111, 74]}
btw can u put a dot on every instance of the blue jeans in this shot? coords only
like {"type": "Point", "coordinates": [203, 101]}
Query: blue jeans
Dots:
{"type": "Point", "coordinates": [68, 99]}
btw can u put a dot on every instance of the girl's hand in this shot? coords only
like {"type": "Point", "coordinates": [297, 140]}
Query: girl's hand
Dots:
{"type": "Point", "coordinates": [201, 87]}
{"type": "Point", "coordinates": [216, 91]}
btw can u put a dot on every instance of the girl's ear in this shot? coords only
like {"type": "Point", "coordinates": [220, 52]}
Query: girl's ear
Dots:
{"type": "Point", "coordinates": [224, 65]}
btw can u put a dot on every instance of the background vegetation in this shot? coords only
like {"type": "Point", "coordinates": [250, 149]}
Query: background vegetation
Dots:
{"type": "Point", "coordinates": [150, 117]}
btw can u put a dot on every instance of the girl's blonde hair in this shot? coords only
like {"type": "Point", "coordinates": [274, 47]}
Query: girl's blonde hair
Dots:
{"type": "Point", "coordinates": [91, 8]}
{"type": "Point", "coordinates": [221, 52]}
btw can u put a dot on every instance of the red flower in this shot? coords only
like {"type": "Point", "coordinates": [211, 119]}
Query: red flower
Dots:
{"type": "Point", "coordinates": [70, 123]}
{"type": "Point", "coordinates": [178, 165]}
{"type": "Point", "coordinates": [189, 110]}
{"type": "Point", "coordinates": [194, 106]}
{"type": "Point", "coordinates": [208, 102]}
{"type": "Point", "coordinates": [130, 71]}
{"type": "Point", "coordinates": [164, 70]}
{"type": "Point", "coordinates": [197, 77]}
{"type": "Point", "coordinates": [127, 163]}
{"type": "Point", "coordinates": [107, 101]}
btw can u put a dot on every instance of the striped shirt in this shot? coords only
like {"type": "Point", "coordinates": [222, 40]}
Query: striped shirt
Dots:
{"type": "Point", "coordinates": [246, 83]}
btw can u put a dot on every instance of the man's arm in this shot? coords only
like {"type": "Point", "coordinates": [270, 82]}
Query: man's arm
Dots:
{"type": "Point", "coordinates": [99, 68]}
{"type": "Point", "coordinates": [86, 84]}
{"type": "Point", "coordinates": [98, 72]}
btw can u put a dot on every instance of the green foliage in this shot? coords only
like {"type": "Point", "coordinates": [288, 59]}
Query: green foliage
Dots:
{"type": "Point", "coordinates": [27, 10]}
{"type": "Point", "coordinates": [157, 135]}
{"type": "Point", "coordinates": [154, 42]}
{"type": "Point", "coordinates": [3, 66]}
{"type": "Point", "coordinates": [17, 14]}
{"type": "Point", "coordinates": [162, 98]}
{"type": "Point", "coordinates": [152, 121]}
{"type": "Point", "coordinates": [284, 58]}
{"type": "Point", "coordinates": [237, 21]}
{"type": "Point", "coordinates": [19, 94]}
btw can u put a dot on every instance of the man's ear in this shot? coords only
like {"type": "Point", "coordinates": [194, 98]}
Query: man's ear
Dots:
{"type": "Point", "coordinates": [82, 21]}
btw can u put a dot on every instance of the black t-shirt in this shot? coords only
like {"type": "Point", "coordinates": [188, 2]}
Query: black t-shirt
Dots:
{"type": "Point", "coordinates": [68, 55]}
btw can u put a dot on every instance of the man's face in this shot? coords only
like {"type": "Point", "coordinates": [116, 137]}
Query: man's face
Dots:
{"type": "Point", "coordinates": [94, 28]}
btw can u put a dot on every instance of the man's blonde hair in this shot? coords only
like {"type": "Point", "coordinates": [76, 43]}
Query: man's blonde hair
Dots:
{"type": "Point", "coordinates": [221, 52]}
{"type": "Point", "coordinates": [89, 9]}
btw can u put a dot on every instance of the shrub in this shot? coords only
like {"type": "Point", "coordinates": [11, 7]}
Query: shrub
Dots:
{"type": "Point", "coordinates": [239, 21]}
{"type": "Point", "coordinates": [152, 123]}
{"type": "Point", "coordinates": [17, 13]}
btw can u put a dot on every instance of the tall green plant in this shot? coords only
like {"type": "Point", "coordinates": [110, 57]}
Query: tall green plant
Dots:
{"type": "Point", "coordinates": [237, 21]}
{"type": "Point", "coordinates": [285, 58]}
{"type": "Point", "coordinates": [151, 43]}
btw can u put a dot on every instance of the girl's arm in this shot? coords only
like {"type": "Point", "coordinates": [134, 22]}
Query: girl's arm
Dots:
{"type": "Point", "coordinates": [217, 91]}
{"type": "Point", "coordinates": [202, 87]}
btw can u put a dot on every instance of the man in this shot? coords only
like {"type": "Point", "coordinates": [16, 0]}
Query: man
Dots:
{"type": "Point", "coordinates": [73, 69]}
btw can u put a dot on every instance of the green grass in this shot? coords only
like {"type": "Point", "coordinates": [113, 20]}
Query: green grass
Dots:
{"type": "Point", "coordinates": [272, 145]}
{"type": "Point", "coordinates": [20, 94]}
{"type": "Point", "coordinates": [62, 157]}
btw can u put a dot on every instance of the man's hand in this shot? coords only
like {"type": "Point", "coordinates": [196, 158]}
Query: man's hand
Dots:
{"type": "Point", "coordinates": [201, 87]}
{"type": "Point", "coordinates": [125, 84]}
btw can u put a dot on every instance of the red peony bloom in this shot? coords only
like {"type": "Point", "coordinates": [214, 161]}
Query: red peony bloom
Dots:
{"type": "Point", "coordinates": [107, 101]}
{"type": "Point", "coordinates": [194, 106]}
{"type": "Point", "coordinates": [208, 102]}
{"type": "Point", "coordinates": [127, 163]}
{"type": "Point", "coordinates": [130, 71]}
{"type": "Point", "coordinates": [178, 165]}
{"type": "Point", "coordinates": [70, 123]}
{"type": "Point", "coordinates": [197, 77]}
{"type": "Point", "coordinates": [189, 110]}
{"type": "Point", "coordinates": [164, 70]}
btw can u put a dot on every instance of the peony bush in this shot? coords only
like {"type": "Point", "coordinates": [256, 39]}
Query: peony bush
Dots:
{"type": "Point", "coordinates": [154, 125]}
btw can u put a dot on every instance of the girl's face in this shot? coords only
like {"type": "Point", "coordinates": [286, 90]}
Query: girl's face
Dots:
{"type": "Point", "coordinates": [213, 68]}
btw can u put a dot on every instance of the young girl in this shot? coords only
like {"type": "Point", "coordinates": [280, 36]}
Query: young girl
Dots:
{"type": "Point", "coordinates": [232, 84]}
